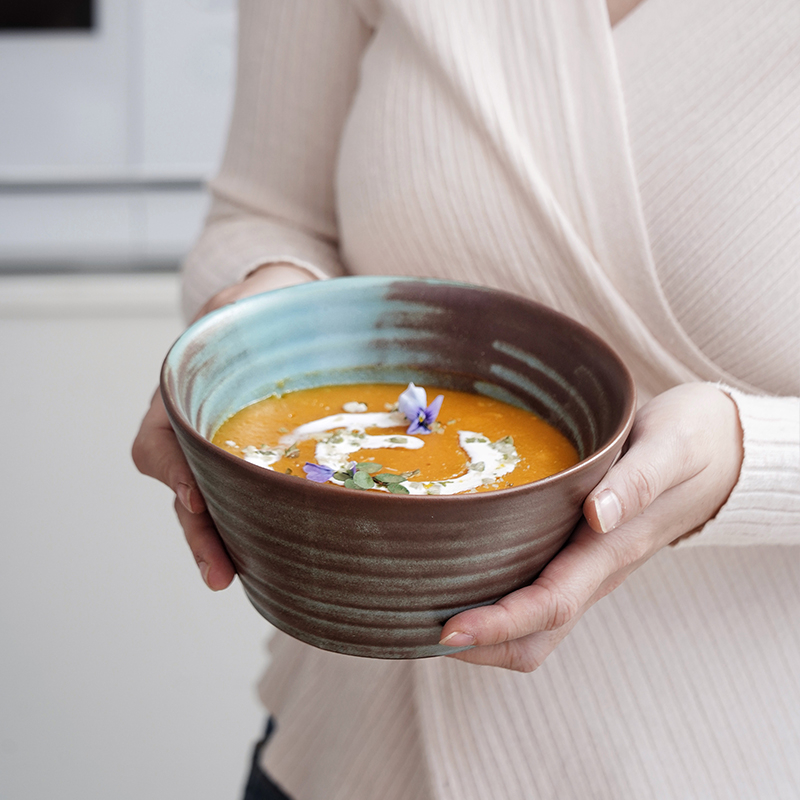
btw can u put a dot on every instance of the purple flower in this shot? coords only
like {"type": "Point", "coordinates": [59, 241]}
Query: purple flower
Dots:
{"type": "Point", "coordinates": [412, 403]}
{"type": "Point", "coordinates": [320, 474]}
{"type": "Point", "coordinates": [314, 472]}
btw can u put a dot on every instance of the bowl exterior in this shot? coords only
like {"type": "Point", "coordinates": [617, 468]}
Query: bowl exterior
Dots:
{"type": "Point", "coordinates": [371, 574]}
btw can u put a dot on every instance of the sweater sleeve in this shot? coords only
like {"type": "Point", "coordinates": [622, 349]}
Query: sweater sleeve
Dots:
{"type": "Point", "coordinates": [273, 199]}
{"type": "Point", "coordinates": [764, 506]}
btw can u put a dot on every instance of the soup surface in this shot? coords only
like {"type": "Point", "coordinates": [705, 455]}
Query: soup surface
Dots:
{"type": "Point", "coordinates": [386, 437]}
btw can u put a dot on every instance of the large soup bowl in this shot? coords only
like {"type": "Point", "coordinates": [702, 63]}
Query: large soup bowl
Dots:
{"type": "Point", "coordinates": [365, 572]}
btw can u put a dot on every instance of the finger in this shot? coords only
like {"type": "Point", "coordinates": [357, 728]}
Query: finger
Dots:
{"type": "Point", "coordinates": [265, 278]}
{"type": "Point", "coordinates": [528, 653]}
{"type": "Point", "coordinates": [521, 655]}
{"type": "Point", "coordinates": [207, 548]}
{"type": "Point", "coordinates": [554, 599]}
{"type": "Point", "coordinates": [156, 453]}
{"type": "Point", "coordinates": [557, 615]}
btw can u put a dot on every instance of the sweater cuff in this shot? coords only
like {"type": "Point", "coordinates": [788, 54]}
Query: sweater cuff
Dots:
{"type": "Point", "coordinates": [233, 246]}
{"type": "Point", "coordinates": [764, 506]}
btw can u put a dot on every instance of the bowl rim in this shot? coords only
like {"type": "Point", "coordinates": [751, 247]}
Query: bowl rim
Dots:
{"type": "Point", "coordinates": [585, 464]}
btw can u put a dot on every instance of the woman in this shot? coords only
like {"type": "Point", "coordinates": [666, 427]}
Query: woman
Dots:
{"type": "Point", "coordinates": [488, 142]}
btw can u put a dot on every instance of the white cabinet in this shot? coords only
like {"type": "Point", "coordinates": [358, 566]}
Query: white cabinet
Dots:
{"type": "Point", "coordinates": [64, 97]}
{"type": "Point", "coordinates": [187, 63]}
{"type": "Point", "coordinates": [106, 136]}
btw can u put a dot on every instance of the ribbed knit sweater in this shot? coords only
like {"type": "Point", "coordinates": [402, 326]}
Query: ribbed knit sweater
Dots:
{"type": "Point", "coordinates": [644, 180]}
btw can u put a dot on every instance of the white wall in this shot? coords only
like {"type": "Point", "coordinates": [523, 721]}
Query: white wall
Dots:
{"type": "Point", "coordinates": [121, 675]}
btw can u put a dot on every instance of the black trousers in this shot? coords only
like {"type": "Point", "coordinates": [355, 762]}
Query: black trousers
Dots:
{"type": "Point", "coordinates": [260, 786]}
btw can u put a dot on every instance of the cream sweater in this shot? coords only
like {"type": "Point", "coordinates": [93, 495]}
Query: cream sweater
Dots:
{"type": "Point", "coordinates": [645, 181]}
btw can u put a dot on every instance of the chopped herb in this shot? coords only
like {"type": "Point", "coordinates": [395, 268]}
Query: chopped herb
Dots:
{"type": "Point", "coordinates": [350, 484]}
{"type": "Point", "coordinates": [342, 476]}
{"type": "Point", "coordinates": [362, 480]}
{"type": "Point", "coordinates": [397, 488]}
{"type": "Point", "coordinates": [398, 439]}
{"type": "Point", "coordinates": [369, 466]}
{"type": "Point", "coordinates": [386, 478]}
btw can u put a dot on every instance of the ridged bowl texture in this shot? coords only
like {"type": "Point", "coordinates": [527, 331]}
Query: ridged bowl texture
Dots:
{"type": "Point", "coordinates": [364, 572]}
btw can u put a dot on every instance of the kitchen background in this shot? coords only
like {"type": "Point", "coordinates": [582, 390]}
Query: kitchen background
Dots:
{"type": "Point", "coordinates": [120, 674]}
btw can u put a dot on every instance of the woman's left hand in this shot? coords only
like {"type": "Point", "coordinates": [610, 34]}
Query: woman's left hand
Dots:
{"type": "Point", "coordinates": [683, 460]}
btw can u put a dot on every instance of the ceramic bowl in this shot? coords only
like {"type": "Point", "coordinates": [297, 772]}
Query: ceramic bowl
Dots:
{"type": "Point", "coordinates": [369, 573]}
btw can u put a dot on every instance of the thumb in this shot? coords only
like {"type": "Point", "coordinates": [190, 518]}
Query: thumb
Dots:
{"type": "Point", "coordinates": [656, 461]}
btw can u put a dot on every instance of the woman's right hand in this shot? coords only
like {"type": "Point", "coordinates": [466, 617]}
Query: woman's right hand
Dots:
{"type": "Point", "coordinates": [156, 451]}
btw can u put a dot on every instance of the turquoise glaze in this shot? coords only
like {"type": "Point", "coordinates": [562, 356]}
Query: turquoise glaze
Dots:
{"type": "Point", "coordinates": [298, 338]}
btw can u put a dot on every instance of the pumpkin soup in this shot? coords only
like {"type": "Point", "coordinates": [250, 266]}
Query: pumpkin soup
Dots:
{"type": "Point", "coordinates": [387, 437]}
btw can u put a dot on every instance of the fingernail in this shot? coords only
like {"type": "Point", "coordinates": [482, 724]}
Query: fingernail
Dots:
{"type": "Point", "coordinates": [204, 570]}
{"type": "Point", "coordinates": [190, 499]}
{"type": "Point", "coordinates": [184, 493]}
{"type": "Point", "coordinates": [458, 639]}
{"type": "Point", "coordinates": [608, 509]}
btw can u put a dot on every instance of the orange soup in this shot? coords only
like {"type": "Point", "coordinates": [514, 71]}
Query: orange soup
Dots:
{"type": "Point", "coordinates": [388, 437]}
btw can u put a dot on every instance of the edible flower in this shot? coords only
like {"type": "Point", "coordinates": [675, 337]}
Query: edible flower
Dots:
{"type": "Point", "coordinates": [412, 403]}
{"type": "Point", "coordinates": [318, 473]}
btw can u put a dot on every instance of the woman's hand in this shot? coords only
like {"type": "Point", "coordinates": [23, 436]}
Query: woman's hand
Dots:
{"type": "Point", "coordinates": [683, 460]}
{"type": "Point", "coordinates": [156, 451]}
